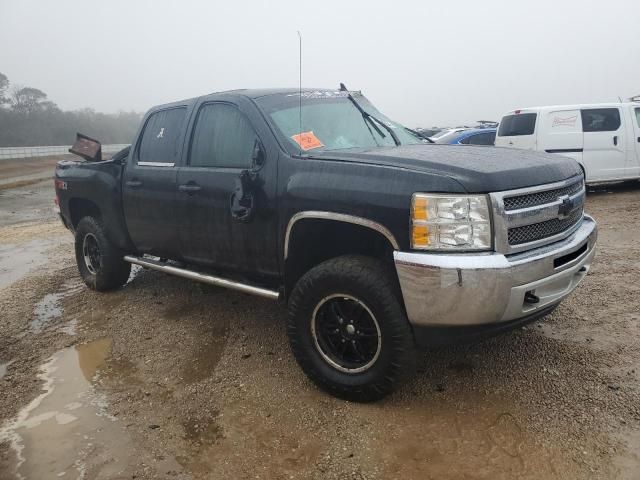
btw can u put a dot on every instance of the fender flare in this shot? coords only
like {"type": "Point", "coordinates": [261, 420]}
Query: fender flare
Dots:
{"type": "Point", "coordinates": [338, 217]}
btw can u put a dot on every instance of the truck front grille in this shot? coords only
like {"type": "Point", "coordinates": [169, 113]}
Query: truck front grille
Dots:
{"type": "Point", "coordinates": [531, 217]}
{"type": "Point", "coordinates": [538, 231]}
{"type": "Point", "coordinates": [541, 198]}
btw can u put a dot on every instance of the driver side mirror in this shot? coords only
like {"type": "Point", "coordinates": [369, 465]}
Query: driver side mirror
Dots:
{"type": "Point", "coordinates": [258, 155]}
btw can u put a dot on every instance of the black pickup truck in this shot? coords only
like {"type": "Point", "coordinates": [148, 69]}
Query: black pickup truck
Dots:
{"type": "Point", "coordinates": [377, 241]}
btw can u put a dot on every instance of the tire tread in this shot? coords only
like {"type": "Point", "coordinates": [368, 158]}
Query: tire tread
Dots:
{"type": "Point", "coordinates": [372, 275]}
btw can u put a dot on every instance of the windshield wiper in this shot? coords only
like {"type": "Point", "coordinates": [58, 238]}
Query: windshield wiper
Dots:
{"type": "Point", "coordinates": [418, 135]}
{"type": "Point", "coordinates": [370, 118]}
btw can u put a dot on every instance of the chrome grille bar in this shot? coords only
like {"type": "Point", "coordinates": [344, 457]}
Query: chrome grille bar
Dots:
{"type": "Point", "coordinates": [528, 223]}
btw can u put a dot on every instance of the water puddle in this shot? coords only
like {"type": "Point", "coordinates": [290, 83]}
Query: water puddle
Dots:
{"type": "Point", "coordinates": [50, 308]}
{"type": "Point", "coordinates": [136, 271]}
{"type": "Point", "coordinates": [484, 438]}
{"type": "Point", "coordinates": [3, 369]}
{"type": "Point", "coordinates": [66, 432]}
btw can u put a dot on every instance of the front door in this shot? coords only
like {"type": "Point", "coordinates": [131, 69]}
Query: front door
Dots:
{"type": "Point", "coordinates": [149, 184]}
{"type": "Point", "coordinates": [225, 194]}
{"type": "Point", "coordinates": [604, 153]}
{"type": "Point", "coordinates": [635, 120]}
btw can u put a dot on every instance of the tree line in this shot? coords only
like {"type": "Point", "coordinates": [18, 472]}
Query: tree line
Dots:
{"type": "Point", "coordinates": [28, 118]}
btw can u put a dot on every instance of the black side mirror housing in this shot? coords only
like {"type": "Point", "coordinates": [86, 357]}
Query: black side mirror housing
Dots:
{"type": "Point", "coordinates": [258, 155]}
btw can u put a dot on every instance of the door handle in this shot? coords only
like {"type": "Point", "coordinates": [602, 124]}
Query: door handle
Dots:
{"type": "Point", "coordinates": [615, 140]}
{"type": "Point", "coordinates": [189, 188]}
{"type": "Point", "coordinates": [133, 183]}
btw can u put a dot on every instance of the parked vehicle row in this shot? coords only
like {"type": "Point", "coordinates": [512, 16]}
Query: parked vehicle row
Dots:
{"type": "Point", "coordinates": [603, 138]}
{"type": "Point", "coordinates": [482, 134]}
{"type": "Point", "coordinates": [471, 136]}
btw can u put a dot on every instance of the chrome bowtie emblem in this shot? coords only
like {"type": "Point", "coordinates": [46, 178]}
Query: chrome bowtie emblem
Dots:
{"type": "Point", "coordinates": [566, 206]}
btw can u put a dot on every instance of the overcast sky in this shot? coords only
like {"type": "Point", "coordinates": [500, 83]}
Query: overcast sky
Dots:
{"type": "Point", "coordinates": [421, 62]}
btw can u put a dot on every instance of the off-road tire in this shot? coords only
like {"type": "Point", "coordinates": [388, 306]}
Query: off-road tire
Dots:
{"type": "Point", "coordinates": [368, 281]}
{"type": "Point", "coordinates": [110, 270]}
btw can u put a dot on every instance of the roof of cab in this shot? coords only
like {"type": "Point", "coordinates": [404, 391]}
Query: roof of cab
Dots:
{"type": "Point", "coordinates": [252, 93]}
{"type": "Point", "coordinates": [264, 92]}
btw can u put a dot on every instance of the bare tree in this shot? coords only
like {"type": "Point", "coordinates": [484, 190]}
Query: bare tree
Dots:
{"type": "Point", "coordinates": [29, 100]}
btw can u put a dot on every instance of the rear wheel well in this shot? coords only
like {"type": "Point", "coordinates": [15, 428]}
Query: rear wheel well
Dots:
{"type": "Point", "coordinates": [80, 208]}
{"type": "Point", "coordinates": [313, 241]}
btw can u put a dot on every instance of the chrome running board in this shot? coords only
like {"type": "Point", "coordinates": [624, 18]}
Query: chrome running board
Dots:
{"type": "Point", "coordinates": [201, 277]}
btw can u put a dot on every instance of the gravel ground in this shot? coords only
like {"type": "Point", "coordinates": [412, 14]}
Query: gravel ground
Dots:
{"type": "Point", "coordinates": [166, 378]}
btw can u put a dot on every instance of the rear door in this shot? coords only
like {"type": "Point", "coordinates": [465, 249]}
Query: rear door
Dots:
{"type": "Point", "coordinates": [518, 130]}
{"type": "Point", "coordinates": [225, 194]}
{"type": "Point", "coordinates": [149, 184]}
{"type": "Point", "coordinates": [604, 150]}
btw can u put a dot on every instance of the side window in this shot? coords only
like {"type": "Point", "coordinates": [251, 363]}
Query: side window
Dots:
{"type": "Point", "coordinates": [638, 116]}
{"type": "Point", "coordinates": [482, 139]}
{"type": "Point", "coordinates": [600, 120]}
{"type": "Point", "coordinates": [222, 137]}
{"type": "Point", "coordinates": [161, 135]}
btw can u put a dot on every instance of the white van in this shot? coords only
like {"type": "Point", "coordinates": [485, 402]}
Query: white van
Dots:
{"type": "Point", "coordinates": [603, 138]}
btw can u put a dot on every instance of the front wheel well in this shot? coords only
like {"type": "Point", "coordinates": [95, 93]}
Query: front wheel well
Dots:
{"type": "Point", "coordinates": [313, 241]}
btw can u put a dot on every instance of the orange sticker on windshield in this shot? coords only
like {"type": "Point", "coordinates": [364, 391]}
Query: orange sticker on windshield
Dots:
{"type": "Point", "coordinates": [307, 141]}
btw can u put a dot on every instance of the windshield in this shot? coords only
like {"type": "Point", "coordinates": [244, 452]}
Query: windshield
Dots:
{"type": "Point", "coordinates": [330, 121]}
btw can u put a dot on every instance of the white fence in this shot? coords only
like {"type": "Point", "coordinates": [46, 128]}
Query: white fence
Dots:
{"type": "Point", "coordinates": [7, 153]}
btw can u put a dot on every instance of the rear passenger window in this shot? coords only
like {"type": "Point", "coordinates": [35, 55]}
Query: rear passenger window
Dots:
{"type": "Point", "coordinates": [222, 137]}
{"type": "Point", "coordinates": [519, 124]}
{"type": "Point", "coordinates": [600, 120]}
{"type": "Point", "coordinates": [161, 135]}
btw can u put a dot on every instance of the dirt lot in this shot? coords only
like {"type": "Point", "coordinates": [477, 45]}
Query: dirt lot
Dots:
{"type": "Point", "coordinates": [166, 378]}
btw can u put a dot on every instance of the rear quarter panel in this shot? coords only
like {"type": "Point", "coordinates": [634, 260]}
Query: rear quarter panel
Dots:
{"type": "Point", "coordinates": [99, 183]}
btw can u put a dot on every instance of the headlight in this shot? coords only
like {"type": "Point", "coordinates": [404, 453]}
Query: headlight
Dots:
{"type": "Point", "coordinates": [450, 222]}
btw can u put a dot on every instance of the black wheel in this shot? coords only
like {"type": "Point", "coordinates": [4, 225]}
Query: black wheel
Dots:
{"type": "Point", "coordinates": [348, 330]}
{"type": "Point", "coordinates": [99, 261]}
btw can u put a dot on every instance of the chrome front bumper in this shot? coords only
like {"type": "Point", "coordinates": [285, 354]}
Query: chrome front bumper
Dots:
{"type": "Point", "coordinates": [476, 289]}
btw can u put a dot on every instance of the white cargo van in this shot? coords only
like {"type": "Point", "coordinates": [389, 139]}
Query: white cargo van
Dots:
{"type": "Point", "coordinates": [603, 138]}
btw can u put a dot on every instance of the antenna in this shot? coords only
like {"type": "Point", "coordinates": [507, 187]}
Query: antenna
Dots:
{"type": "Point", "coordinates": [300, 87]}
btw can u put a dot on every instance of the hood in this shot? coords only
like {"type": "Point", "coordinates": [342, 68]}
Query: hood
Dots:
{"type": "Point", "coordinates": [477, 169]}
